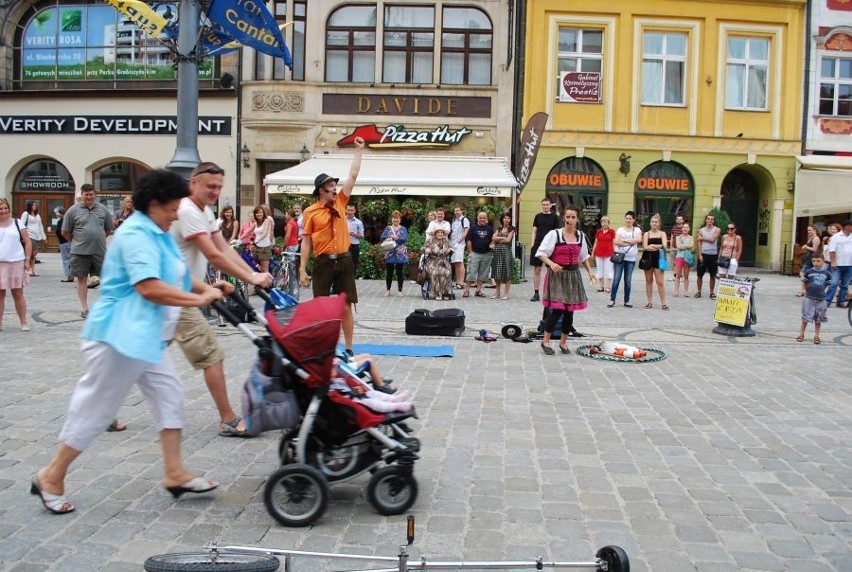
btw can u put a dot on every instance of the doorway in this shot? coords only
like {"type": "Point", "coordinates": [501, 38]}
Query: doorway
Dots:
{"type": "Point", "coordinates": [740, 199]}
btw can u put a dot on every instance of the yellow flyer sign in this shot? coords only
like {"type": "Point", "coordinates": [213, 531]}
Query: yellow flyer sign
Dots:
{"type": "Point", "coordinates": [732, 301]}
{"type": "Point", "coordinates": [140, 14]}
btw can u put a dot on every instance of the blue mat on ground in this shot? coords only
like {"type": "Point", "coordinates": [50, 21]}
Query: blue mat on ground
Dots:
{"type": "Point", "coordinates": [401, 350]}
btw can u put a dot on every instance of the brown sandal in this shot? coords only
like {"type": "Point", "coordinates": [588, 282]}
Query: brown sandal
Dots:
{"type": "Point", "coordinates": [817, 340]}
{"type": "Point", "coordinates": [800, 338]}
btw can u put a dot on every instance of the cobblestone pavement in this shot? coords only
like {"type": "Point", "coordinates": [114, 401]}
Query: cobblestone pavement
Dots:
{"type": "Point", "coordinates": [731, 454]}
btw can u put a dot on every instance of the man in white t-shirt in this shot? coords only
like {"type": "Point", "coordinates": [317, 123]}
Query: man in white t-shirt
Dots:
{"type": "Point", "coordinates": [458, 239]}
{"type": "Point", "coordinates": [840, 259]}
{"type": "Point", "coordinates": [200, 240]}
{"type": "Point", "coordinates": [438, 223]}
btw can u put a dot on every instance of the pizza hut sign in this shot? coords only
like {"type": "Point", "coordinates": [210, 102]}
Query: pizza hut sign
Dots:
{"type": "Point", "coordinates": [580, 87]}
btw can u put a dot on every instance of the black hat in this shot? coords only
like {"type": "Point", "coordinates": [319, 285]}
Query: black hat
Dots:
{"type": "Point", "coordinates": [322, 179]}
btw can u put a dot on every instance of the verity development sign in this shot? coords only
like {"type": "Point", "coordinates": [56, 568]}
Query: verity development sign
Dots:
{"type": "Point", "coordinates": [104, 124]}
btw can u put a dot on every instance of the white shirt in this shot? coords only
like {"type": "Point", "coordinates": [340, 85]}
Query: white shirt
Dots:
{"type": "Point", "coordinates": [33, 225]}
{"type": "Point", "coordinates": [192, 222]}
{"type": "Point", "coordinates": [10, 243]}
{"type": "Point", "coordinates": [435, 225]}
{"type": "Point", "coordinates": [632, 251]}
{"type": "Point", "coordinates": [548, 244]}
{"type": "Point", "coordinates": [841, 245]}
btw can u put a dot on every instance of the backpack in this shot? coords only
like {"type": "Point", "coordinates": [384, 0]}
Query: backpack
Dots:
{"type": "Point", "coordinates": [463, 219]}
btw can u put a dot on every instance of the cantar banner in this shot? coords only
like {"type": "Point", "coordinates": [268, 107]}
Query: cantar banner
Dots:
{"type": "Point", "coordinates": [528, 151]}
{"type": "Point", "coordinates": [251, 24]}
{"type": "Point", "coordinates": [140, 14]}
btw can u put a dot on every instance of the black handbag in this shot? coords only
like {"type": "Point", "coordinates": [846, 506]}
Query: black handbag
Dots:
{"type": "Point", "coordinates": [723, 261]}
{"type": "Point", "coordinates": [645, 263]}
{"type": "Point", "coordinates": [617, 258]}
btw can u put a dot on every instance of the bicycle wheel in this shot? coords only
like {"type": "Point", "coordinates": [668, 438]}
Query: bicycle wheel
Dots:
{"type": "Point", "coordinates": [211, 562]}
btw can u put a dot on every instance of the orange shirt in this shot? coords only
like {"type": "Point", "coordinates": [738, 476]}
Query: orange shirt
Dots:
{"type": "Point", "coordinates": [329, 233]}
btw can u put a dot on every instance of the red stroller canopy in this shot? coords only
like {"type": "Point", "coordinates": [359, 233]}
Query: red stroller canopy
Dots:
{"type": "Point", "coordinates": [311, 335]}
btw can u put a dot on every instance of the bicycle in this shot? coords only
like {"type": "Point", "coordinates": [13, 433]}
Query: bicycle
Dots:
{"type": "Point", "coordinates": [285, 271]}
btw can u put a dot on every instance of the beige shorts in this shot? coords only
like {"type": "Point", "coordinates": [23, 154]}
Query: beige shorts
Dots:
{"type": "Point", "coordinates": [197, 339]}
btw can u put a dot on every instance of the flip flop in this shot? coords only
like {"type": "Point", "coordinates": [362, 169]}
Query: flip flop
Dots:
{"type": "Point", "coordinates": [229, 429]}
{"type": "Point", "coordinates": [466, 295]}
{"type": "Point", "coordinates": [57, 504]}
{"type": "Point", "coordinates": [479, 294]}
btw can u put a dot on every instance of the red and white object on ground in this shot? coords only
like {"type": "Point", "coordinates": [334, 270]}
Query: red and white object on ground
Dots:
{"type": "Point", "coordinates": [619, 350]}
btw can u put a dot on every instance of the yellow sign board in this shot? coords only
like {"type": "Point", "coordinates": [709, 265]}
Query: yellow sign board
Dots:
{"type": "Point", "coordinates": [732, 301]}
{"type": "Point", "coordinates": [140, 14]}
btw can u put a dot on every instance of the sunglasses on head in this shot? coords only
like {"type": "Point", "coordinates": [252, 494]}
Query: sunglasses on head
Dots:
{"type": "Point", "coordinates": [211, 171]}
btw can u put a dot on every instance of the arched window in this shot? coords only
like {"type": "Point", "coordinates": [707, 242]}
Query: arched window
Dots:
{"type": "Point", "coordinates": [350, 45]}
{"type": "Point", "coordinates": [44, 175]}
{"type": "Point", "coordinates": [466, 45]}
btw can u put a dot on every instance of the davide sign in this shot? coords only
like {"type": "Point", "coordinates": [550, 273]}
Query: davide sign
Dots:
{"type": "Point", "coordinates": [107, 124]}
{"type": "Point", "coordinates": [405, 105]}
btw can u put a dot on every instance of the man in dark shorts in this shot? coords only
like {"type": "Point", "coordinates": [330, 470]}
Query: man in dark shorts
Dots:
{"type": "Point", "coordinates": [86, 226]}
{"type": "Point", "coordinates": [544, 222]}
{"type": "Point", "coordinates": [326, 235]}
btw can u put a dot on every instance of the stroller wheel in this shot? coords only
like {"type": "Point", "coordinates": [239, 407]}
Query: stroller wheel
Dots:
{"type": "Point", "coordinates": [392, 492]}
{"type": "Point", "coordinates": [287, 447]}
{"type": "Point", "coordinates": [296, 495]}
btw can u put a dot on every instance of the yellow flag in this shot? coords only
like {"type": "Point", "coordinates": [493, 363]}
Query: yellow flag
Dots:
{"type": "Point", "coordinates": [140, 14]}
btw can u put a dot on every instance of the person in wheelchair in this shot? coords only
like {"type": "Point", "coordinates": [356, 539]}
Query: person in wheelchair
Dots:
{"type": "Point", "coordinates": [438, 269]}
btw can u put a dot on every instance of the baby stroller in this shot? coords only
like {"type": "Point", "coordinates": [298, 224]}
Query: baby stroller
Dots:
{"type": "Point", "coordinates": [426, 283]}
{"type": "Point", "coordinates": [331, 437]}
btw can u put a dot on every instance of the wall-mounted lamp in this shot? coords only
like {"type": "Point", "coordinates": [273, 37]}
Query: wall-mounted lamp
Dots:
{"type": "Point", "coordinates": [624, 163]}
{"type": "Point", "coordinates": [245, 154]}
{"type": "Point", "coordinates": [304, 153]}
{"type": "Point", "coordinates": [791, 186]}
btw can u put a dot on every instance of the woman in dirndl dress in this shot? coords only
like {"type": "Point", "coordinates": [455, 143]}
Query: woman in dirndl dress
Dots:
{"type": "Point", "coordinates": [563, 251]}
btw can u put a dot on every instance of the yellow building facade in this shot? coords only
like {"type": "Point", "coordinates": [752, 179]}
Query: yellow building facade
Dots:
{"type": "Point", "coordinates": [668, 106]}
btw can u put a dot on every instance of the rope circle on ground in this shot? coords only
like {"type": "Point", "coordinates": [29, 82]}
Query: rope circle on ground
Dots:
{"type": "Point", "coordinates": [654, 354]}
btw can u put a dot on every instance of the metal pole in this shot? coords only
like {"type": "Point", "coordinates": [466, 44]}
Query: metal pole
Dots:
{"type": "Point", "coordinates": [186, 155]}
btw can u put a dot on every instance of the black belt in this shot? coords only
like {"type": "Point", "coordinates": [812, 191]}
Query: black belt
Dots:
{"type": "Point", "coordinates": [334, 256]}
{"type": "Point", "coordinates": [570, 266]}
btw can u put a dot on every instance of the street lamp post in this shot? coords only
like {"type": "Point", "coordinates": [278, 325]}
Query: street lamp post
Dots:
{"type": "Point", "coordinates": [186, 155]}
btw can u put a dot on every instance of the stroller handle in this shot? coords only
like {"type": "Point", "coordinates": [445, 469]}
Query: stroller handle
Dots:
{"type": "Point", "coordinates": [235, 321]}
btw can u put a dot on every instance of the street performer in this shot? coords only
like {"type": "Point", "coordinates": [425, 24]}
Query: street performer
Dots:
{"type": "Point", "coordinates": [326, 234]}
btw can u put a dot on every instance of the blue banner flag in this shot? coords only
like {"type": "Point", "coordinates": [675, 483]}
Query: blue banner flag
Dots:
{"type": "Point", "coordinates": [251, 24]}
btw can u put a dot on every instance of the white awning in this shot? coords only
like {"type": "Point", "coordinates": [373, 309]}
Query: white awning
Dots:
{"type": "Point", "coordinates": [823, 185]}
{"type": "Point", "coordinates": [402, 176]}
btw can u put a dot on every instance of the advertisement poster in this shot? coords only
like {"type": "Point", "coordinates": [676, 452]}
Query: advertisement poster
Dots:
{"type": "Point", "coordinates": [580, 87]}
{"type": "Point", "coordinates": [96, 43]}
{"type": "Point", "coordinates": [732, 301]}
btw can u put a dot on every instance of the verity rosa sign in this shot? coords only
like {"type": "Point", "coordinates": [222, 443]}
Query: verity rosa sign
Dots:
{"type": "Point", "coordinates": [580, 87]}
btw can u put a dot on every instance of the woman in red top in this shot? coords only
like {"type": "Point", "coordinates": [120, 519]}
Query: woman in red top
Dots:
{"type": "Point", "coordinates": [291, 232]}
{"type": "Point", "coordinates": [603, 250]}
